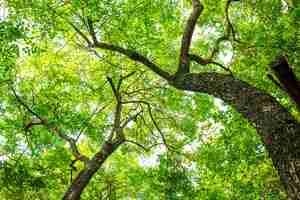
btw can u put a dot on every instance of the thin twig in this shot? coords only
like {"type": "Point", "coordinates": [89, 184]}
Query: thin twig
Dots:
{"type": "Point", "coordinates": [152, 118]}
{"type": "Point", "coordinates": [146, 149]}
{"type": "Point", "coordinates": [203, 61]}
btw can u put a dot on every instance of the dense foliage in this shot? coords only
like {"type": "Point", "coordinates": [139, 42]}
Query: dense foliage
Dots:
{"type": "Point", "coordinates": [179, 145]}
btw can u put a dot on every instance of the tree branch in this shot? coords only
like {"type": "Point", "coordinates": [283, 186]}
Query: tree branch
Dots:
{"type": "Point", "coordinates": [131, 54]}
{"type": "Point", "coordinates": [83, 127]}
{"type": "Point", "coordinates": [43, 121]}
{"type": "Point", "coordinates": [122, 78]}
{"type": "Point", "coordinates": [228, 31]}
{"type": "Point", "coordinates": [277, 128]}
{"type": "Point", "coordinates": [152, 119]}
{"type": "Point", "coordinates": [146, 149]}
{"type": "Point", "coordinates": [117, 128]}
{"type": "Point", "coordinates": [72, 25]}
{"type": "Point", "coordinates": [130, 119]}
{"type": "Point", "coordinates": [229, 27]}
{"type": "Point", "coordinates": [203, 61]}
{"type": "Point", "coordinates": [25, 105]}
{"type": "Point", "coordinates": [92, 30]}
{"type": "Point", "coordinates": [135, 56]}
{"type": "Point", "coordinates": [288, 80]}
{"type": "Point", "coordinates": [187, 37]}
{"type": "Point", "coordinates": [113, 87]}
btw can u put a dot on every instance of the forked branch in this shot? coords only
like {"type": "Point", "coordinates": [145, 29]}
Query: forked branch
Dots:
{"type": "Point", "coordinates": [131, 54]}
{"type": "Point", "coordinates": [152, 119]}
{"type": "Point", "coordinates": [53, 129]}
{"type": "Point", "coordinates": [228, 32]}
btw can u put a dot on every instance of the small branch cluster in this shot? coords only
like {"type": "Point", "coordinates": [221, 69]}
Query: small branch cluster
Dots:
{"type": "Point", "coordinates": [41, 120]}
{"type": "Point", "coordinates": [185, 57]}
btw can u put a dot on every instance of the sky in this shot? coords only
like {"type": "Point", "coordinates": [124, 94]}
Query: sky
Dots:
{"type": "Point", "coordinates": [3, 11]}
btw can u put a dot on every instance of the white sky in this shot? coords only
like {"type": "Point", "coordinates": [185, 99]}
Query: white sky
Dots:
{"type": "Point", "coordinates": [153, 159]}
{"type": "Point", "coordinates": [3, 11]}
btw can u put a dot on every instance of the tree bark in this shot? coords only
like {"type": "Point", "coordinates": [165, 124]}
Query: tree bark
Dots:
{"type": "Point", "coordinates": [287, 79]}
{"type": "Point", "coordinates": [278, 130]}
{"type": "Point", "coordinates": [85, 175]}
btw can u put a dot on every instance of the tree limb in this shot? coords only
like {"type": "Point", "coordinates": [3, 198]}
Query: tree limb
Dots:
{"type": "Point", "coordinates": [146, 149]}
{"type": "Point", "coordinates": [113, 87]}
{"type": "Point", "coordinates": [277, 128]}
{"type": "Point", "coordinates": [131, 54]}
{"type": "Point", "coordinates": [287, 78]}
{"type": "Point", "coordinates": [43, 121]}
{"type": "Point", "coordinates": [228, 31]}
{"type": "Point", "coordinates": [152, 118]}
{"type": "Point", "coordinates": [122, 78]}
{"type": "Point", "coordinates": [135, 56]}
{"type": "Point", "coordinates": [72, 25]}
{"type": "Point", "coordinates": [187, 37]}
{"type": "Point", "coordinates": [92, 30]}
{"type": "Point", "coordinates": [203, 61]}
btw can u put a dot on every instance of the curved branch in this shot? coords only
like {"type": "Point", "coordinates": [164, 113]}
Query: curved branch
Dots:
{"type": "Point", "coordinates": [187, 37]}
{"type": "Point", "coordinates": [92, 30]}
{"type": "Point", "coordinates": [186, 40]}
{"type": "Point", "coordinates": [131, 54]}
{"type": "Point", "coordinates": [113, 87]}
{"type": "Point", "coordinates": [77, 30]}
{"type": "Point", "coordinates": [229, 27]}
{"type": "Point", "coordinates": [135, 56]}
{"type": "Point", "coordinates": [152, 119]}
{"type": "Point", "coordinates": [146, 149]}
{"type": "Point", "coordinates": [254, 104]}
{"type": "Point", "coordinates": [43, 121]}
{"type": "Point", "coordinates": [277, 128]}
{"type": "Point", "coordinates": [228, 31]}
{"type": "Point", "coordinates": [202, 61]}
{"type": "Point", "coordinates": [115, 139]}
{"type": "Point", "coordinates": [86, 174]}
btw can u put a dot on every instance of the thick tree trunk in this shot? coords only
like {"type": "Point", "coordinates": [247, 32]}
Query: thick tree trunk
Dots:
{"type": "Point", "coordinates": [278, 130]}
{"type": "Point", "coordinates": [85, 175]}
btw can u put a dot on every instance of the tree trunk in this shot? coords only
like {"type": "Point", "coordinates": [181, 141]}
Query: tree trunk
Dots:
{"type": "Point", "coordinates": [277, 128]}
{"type": "Point", "coordinates": [85, 175]}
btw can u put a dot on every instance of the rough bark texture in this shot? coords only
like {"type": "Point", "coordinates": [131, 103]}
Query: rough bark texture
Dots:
{"type": "Point", "coordinates": [85, 175]}
{"type": "Point", "coordinates": [277, 128]}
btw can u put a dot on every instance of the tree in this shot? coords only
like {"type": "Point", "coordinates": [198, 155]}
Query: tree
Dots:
{"type": "Point", "coordinates": [132, 33]}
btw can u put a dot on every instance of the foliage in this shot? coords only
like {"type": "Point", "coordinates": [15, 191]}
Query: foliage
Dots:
{"type": "Point", "coordinates": [213, 152]}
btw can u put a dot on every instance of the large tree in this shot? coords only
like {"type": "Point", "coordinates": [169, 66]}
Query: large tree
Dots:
{"type": "Point", "coordinates": [225, 49]}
